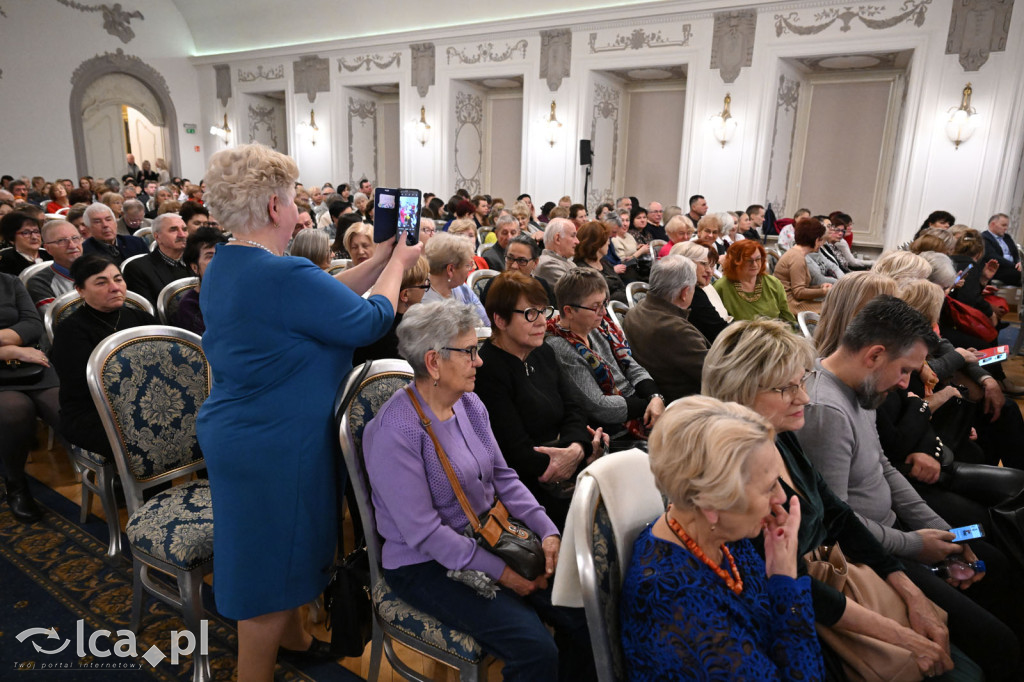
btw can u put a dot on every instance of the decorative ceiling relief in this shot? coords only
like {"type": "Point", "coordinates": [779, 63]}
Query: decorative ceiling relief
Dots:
{"type": "Point", "coordinates": [311, 75]}
{"type": "Point", "coordinates": [116, 21]}
{"type": "Point", "coordinates": [422, 67]}
{"type": "Point", "coordinates": [262, 126]}
{"type": "Point", "coordinates": [978, 28]}
{"type": "Point", "coordinates": [485, 53]}
{"type": "Point", "coordinates": [222, 73]}
{"type": "Point", "coordinates": [869, 15]}
{"type": "Point", "coordinates": [555, 56]}
{"type": "Point", "coordinates": [639, 39]}
{"type": "Point", "coordinates": [732, 44]}
{"type": "Point", "coordinates": [469, 117]}
{"type": "Point", "coordinates": [367, 60]}
{"type": "Point", "coordinates": [272, 74]}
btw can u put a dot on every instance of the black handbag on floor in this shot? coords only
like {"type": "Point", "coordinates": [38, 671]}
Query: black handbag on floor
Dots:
{"type": "Point", "coordinates": [348, 607]}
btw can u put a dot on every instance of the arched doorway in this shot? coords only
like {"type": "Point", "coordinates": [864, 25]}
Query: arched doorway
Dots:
{"type": "Point", "coordinates": [106, 90]}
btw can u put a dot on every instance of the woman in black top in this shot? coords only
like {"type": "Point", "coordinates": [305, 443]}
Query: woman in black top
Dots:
{"type": "Point", "coordinates": [22, 400]}
{"type": "Point", "coordinates": [99, 282]}
{"type": "Point", "coordinates": [541, 432]}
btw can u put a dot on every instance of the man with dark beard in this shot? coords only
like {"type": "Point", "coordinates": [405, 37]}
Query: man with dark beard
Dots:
{"type": "Point", "coordinates": [882, 346]}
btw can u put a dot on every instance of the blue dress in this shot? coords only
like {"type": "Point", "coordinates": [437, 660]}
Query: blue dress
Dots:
{"type": "Point", "coordinates": [279, 335]}
{"type": "Point", "coordinates": [679, 621]}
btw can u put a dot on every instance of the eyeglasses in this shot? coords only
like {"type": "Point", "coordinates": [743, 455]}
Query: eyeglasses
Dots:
{"type": "Point", "coordinates": [596, 309]}
{"type": "Point", "coordinates": [521, 262]}
{"type": "Point", "coordinates": [753, 261]}
{"type": "Point", "coordinates": [425, 286]}
{"type": "Point", "coordinates": [791, 391]}
{"type": "Point", "coordinates": [531, 314]}
{"type": "Point", "coordinates": [471, 351]}
{"type": "Point", "coordinates": [428, 230]}
{"type": "Point", "coordinates": [27, 233]}
{"type": "Point", "coordinates": [67, 241]}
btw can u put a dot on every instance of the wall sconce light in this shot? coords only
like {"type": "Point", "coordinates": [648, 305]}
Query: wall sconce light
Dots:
{"type": "Point", "coordinates": [554, 127]}
{"type": "Point", "coordinates": [422, 128]}
{"type": "Point", "coordinates": [310, 126]}
{"type": "Point", "coordinates": [221, 131]}
{"type": "Point", "coordinates": [962, 120]}
{"type": "Point", "coordinates": [723, 125]}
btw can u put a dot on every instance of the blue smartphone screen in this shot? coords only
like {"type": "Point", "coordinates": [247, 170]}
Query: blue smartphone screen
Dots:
{"type": "Point", "coordinates": [972, 532]}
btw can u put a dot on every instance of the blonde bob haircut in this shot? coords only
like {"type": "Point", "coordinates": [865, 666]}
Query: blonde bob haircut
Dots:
{"type": "Point", "coordinates": [750, 356]}
{"type": "Point", "coordinates": [679, 228]}
{"type": "Point", "coordinates": [694, 251]}
{"type": "Point", "coordinates": [445, 249]}
{"type": "Point", "coordinates": [462, 226]}
{"type": "Point", "coordinates": [700, 451]}
{"type": "Point", "coordinates": [240, 182]}
{"type": "Point", "coordinates": [352, 231]}
{"type": "Point", "coordinates": [845, 299]}
{"type": "Point", "coordinates": [923, 296]}
{"type": "Point", "coordinates": [417, 274]}
{"type": "Point", "coordinates": [902, 264]}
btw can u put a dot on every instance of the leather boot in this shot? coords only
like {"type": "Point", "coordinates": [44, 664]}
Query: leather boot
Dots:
{"type": "Point", "coordinates": [22, 505]}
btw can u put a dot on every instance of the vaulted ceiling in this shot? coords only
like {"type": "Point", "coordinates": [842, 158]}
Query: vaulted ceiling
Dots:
{"type": "Point", "coordinates": [219, 27]}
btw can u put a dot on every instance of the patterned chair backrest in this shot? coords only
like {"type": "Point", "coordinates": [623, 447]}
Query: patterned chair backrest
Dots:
{"type": "Point", "coordinates": [148, 384]}
{"type": "Point", "coordinates": [170, 297]}
{"type": "Point", "coordinates": [338, 265]}
{"type": "Point", "coordinates": [65, 304]}
{"type": "Point", "coordinates": [382, 380]}
{"type": "Point", "coordinates": [636, 292]}
{"type": "Point", "coordinates": [478, 279]}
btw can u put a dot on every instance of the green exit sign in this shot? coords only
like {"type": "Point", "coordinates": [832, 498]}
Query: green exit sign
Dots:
{"type": "Point", "coordinates": [190, 128]}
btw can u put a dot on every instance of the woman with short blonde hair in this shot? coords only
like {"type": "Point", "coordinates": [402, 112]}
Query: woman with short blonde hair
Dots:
{"type": "Point", "coordinates": [900, 264]}
{"type": "Point", "coordinates": [844, 301]}
{"type": "Point", "coordinates": [358, 242]}
{"type": "Point", "coordinates": [923, 296]}
{"type": "Point", "coordinates": [451, 260]}
{"type": "Point", "coordinates": [281, 335]}
{"type": "Point", "coordinates": [697, 596]}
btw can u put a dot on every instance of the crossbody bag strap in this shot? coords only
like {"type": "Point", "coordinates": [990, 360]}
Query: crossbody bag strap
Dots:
{"type": "Point", "coordinates": [445, 464]}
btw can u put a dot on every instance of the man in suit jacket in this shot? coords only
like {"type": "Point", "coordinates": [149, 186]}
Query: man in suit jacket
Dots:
{"type": "Point", "coordinates": [663, 314]}
{"type": "Point", "coordinates": [105, 240]}
{"type": "Point", "coordinates": [559, 246]}
{"type": "Point", "coordinates": [148, 275]}
{"type": "Point", "coordinates": [1001, 246]}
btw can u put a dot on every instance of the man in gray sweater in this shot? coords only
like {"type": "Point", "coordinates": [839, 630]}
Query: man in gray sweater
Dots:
{"type": "Point", "coordinates": [882, 346]}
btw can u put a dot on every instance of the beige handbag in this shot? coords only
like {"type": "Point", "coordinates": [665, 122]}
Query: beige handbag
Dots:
{"type": "Point", "coordinates": [864, 657]}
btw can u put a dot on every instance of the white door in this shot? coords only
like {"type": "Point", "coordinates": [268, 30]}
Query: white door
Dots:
{"type": "Point", "coordinates": [147, 139]}
{"type": "Point", "coordinates": [104, 140]}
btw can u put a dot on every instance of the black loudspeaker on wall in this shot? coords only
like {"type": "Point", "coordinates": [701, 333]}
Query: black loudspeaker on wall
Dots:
{"type": "Point", "coordinates": [586, 153]}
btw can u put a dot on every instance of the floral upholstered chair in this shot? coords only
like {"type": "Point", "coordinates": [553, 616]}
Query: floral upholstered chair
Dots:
{"type": "Point", "coordinates": [148, 384]}
{"type": "Point", "coordinates": [394, 620]}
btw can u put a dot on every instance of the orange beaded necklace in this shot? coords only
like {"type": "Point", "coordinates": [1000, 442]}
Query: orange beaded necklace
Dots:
{"type": "Point", "coordinates": [734, 582]}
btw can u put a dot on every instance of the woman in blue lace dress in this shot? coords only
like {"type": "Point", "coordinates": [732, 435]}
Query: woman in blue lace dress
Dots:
{"type": "Point", "coordinates": [698, 601]}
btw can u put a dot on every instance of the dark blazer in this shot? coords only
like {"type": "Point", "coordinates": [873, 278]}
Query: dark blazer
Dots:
{"type": "Point", "coordinates": [146, 276]}
{"type": "Point", "coordinates": [1007, 273]}
{"type": "Point", "coordinates": [675, 366]}
{"type": "Point", "coordinates": [495, 257]}
{"type": "Point", "coordinates": [125, 246]}
{"type": "Point", "coordinates": [12, 262]}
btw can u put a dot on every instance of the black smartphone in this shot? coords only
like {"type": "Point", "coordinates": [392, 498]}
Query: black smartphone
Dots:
{"type": "Point", "coordinates": [410, 203]}
{"type": "Point", "coordinates": [385, 214]}
{"type": "Point", "coordinates": [964, 533]}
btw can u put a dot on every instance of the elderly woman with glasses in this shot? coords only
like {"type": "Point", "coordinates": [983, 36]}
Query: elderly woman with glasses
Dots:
{"type": "Point", "coordinates": [762, 365]}
{"type": "Point", "coordinates": [611, 386]}
{"type": "Point", "coordinates": [24, 232]}
{"type": "Point", "coordinates": [539, 427]}
{"type": "Point", "coordinates": [747, 290]}
{"type": "Point", "coordinates": [428, 561]}
{"type": "Point", "coordinates": [707, 312]}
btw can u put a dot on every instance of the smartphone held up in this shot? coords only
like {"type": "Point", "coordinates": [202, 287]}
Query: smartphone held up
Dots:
{"type": "Point", "coordinates": [397, 213]}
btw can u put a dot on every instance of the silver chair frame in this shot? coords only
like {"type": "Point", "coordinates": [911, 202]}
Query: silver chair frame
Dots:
{"type": "Point", "coordinates": [616, 310]}
{"type": "Point", "coordinates": [189, 600]}
{"type": "Point", "coordinates": [478, 275]}
{"type": "Point", "coordinates": [808, 320]}
{"type": "Point", "coordinates": [55, 312]}
{"type": "Point", "coordinates": [176, 288]}
{"type": "Point", "coordinates": [33, 270]}
{"type": "Point", "coordinates": [383, 632]}
{"type": "Point", "coordinates": [634, 288]}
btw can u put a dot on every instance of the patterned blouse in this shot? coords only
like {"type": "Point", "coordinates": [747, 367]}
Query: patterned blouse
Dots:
{"type": "Point", "coordinates": [680, 622]}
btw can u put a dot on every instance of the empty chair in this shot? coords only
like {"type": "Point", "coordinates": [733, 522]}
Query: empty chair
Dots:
{"type": "Point", "coordinates": [148, 384]}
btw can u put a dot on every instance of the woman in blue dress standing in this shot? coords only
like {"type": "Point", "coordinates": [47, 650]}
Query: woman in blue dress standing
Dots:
{"type": "Point", "coordinates": [279, 336]}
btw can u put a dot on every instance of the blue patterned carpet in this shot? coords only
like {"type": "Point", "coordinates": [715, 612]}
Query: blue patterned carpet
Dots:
{"type": "Point", "coordinates": [53, 573]}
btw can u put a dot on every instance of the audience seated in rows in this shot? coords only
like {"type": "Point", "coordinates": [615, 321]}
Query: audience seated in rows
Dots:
{"type": "Point", "coordinates": [199, 251]}
{"type": "Point", "coordinates": [22, 231]}
{"type": "Point", "coordinates": [559, 247]}
{"type": "Point", "coordinates": [522, 255]}
{"type": "Point", "coordinates": [64, 243]}
{"type": "Point", "coordinates": [104, 239]}
{"type": "Point", "coordinates": [147, 276]}
{"type": "Point", "coordinates": [707, 312]}
{"type": "Point", "coordinates": [794, 269]}
{"type": "Point", "coordinates": [594, 240]}
{"type": "Point", "coordinates": [451, 261]}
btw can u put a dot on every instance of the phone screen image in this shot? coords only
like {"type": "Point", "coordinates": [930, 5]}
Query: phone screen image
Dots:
{"type": "Point", "coordinates": [991, 355]}
{"type": "Point", "coordinates": [409, 217]}
{"type": "Point", "coordinates": [964, 533]}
